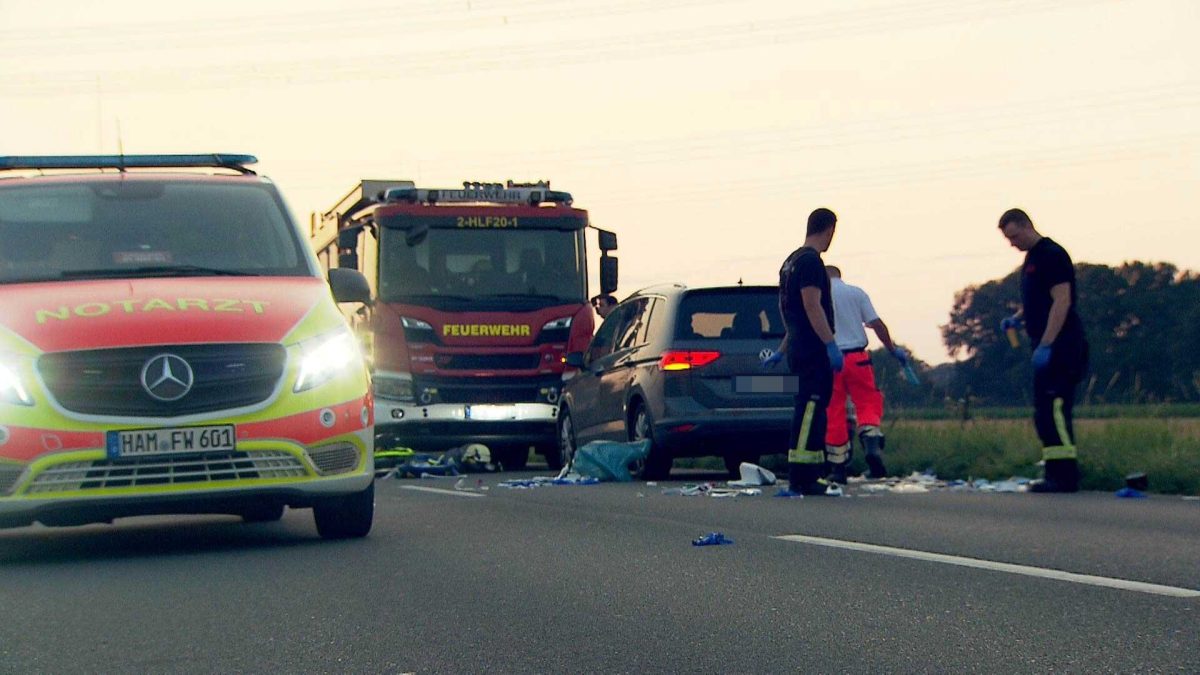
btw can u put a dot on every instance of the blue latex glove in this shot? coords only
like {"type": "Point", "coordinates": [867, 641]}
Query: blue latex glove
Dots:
{"type": "Point", "coordinates": [836, 359]}
{"type": "Point", "coordinates": [770, 361]}
{"type": "Point", "coordinates": [901, 355]}
{"type": "Point", "coordinates": [1041, 357]}
{"type": "Point", "coordinates": [1011, 322]}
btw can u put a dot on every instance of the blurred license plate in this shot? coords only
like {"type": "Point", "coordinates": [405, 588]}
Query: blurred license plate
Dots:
{"type": "Point", "coordinates": [169, 440]}
{"type": "Point", "coordinates": [766, 384]}
{"type": "Point", "coordinates": [490, 413]}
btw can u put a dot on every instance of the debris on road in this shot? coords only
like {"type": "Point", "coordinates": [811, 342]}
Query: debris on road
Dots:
{"type": "Point", "coordinates": [712, 539]}
{"type": "Point", "coordinates": [1130, 493]}
{"type": "Point", "coordinates": [753, 475]}
{"type": "Point", "coordinates": [609, 460]}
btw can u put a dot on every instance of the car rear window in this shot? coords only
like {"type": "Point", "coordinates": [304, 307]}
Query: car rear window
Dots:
{"type": "Point", "coordinates": [729, 314]}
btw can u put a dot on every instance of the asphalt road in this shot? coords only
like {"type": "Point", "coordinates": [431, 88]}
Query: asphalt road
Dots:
{"type": "Point", "coordinates": [604, 578]}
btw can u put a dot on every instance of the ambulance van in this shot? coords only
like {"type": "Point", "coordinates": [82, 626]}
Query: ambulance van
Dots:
{"type": "Point", "coordinates": [168, 345]}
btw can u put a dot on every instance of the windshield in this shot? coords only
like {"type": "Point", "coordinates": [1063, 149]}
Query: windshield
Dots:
{"type": "Point", "coordinates": [540, 267]}
{"type": "Point", "coordinates": [144, 228]}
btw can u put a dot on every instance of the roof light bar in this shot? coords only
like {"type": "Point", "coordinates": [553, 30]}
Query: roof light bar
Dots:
{"type": "Point", "coordinates": [473, 192]}
{"type": "Point", "coordinates": [216, 160]}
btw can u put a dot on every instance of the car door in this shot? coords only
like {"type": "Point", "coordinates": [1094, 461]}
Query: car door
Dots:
{"type": "Point", "coordinates": [586, 403]}
{"type": "Point", "coordinates": [617, 374]}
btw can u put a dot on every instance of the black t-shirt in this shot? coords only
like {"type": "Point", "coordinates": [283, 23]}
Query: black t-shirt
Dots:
{"type": "Point", "coordinates": [802, 269]}
{"type": "Point", "coordinates": [1047, 265]}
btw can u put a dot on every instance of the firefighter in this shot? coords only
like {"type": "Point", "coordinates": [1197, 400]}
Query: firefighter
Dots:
{"type": "Point", "coordinates": [603, 304]}
{"type": "Point", "coordinates": [811, 351]}
{"type": "Point", "coordinates": [1060, 352]}
{"type": "Point", "coordinates": [853, 311]}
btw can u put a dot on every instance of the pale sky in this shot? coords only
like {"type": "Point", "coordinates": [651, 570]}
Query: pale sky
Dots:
{"type": "Point", "coordinates": [701, 131]}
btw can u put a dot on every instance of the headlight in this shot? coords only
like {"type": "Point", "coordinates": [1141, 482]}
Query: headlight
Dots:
{"type": "Point", "coordinates": [397, 387]}
{"type": "Point", "coordinates": [558, 324]}
{"type": "Point", "coordinates": [415, 324]}
{"type": "Point", "coordinates": [12, 390]}
{"type": "Point", "coordinates": [326, 356]}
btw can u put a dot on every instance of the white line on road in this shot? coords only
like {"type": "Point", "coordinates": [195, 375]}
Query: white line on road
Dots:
{"type": "Point", "coordinates": [441, 491]}
{"type": "Point", "coordinates": [1107, 582]}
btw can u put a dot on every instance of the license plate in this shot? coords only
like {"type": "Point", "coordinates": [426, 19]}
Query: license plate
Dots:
{"type": "Point", "coordinates": [490, 413]}
{"type": "Point", "coordinates": [170, 440]}
{"type": "Point", "coordinates": [766, 384]}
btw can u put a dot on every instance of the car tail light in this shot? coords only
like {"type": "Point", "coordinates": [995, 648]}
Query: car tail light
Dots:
{"type": "Point", "coordinates": [683, 360]}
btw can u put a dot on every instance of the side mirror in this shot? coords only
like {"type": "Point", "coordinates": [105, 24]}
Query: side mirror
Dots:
{"type": "Point", "coordinates": [574, 360]}
{"type": "Point", "coordinates": [608, 274]}
{"type": "Point", "coordinates": [349, 285]}
{"type": "Point", "coordinates": [348, 238]}
{"type": "Point", "coordinates": [608, 240]}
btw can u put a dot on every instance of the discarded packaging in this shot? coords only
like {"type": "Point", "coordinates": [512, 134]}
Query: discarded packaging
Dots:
{"type": "Point", "coordinates": [1137, 481]}
{"type": "Point", "coordinates": [712, 539]}
{"type": "Point", "coordinates": [1130, 493]}
{"type": "Point", "coordinates": [753, 475]}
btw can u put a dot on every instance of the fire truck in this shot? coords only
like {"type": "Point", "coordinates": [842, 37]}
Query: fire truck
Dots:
{"type": "Point", "coordinates": [478, 293]}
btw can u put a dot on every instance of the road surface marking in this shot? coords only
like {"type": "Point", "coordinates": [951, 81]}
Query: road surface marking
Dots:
{"type": "Point", "coordinates": [1011, 568]}
{"type": "Point", "coordinates": [441, 491]}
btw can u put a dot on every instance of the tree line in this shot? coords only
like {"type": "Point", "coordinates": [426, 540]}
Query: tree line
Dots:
{"type": "Point", "coordinates": [1142, 322]}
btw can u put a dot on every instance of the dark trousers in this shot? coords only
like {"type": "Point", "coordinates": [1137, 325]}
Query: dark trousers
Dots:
{"type": "Point", "coordinates": [806, 451]}
{"type": "Point", "coordinates": [1054, 399]}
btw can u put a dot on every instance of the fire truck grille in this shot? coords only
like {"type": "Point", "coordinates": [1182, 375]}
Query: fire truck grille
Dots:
{"type": "Point", "coordinates": [109, 381]}
{"type": "Point", "coordinates": [167, 470]}
{"type": "Point", "coordinates": [488, 361]}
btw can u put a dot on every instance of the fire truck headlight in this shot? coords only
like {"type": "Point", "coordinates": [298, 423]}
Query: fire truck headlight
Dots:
{"type": "Point", "coordinates": [325, 357]}
{"type": "Point", "coordinates": [12, 389]}
{"type": "Point", "coordinates": [398, 387]}
{"type": "Point", "coordinates": [558, 324]}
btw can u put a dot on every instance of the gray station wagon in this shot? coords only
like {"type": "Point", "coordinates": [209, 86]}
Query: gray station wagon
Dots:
{"type": "Point", "coordinates": [682, 367]}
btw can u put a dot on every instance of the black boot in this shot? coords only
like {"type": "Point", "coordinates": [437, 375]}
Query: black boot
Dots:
{"type": "Point", "coordinates": [873, 446]}
{"type": "Point", "coordinates": [1062, 475]}
{"type": "Point", "coordinates": [806, 479]}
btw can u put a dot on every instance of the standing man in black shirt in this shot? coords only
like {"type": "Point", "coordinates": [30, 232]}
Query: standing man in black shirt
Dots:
{"type": "Point", "coordinates": [1060, 352]}
{"type": "Point", "coordinates": [812, 354]}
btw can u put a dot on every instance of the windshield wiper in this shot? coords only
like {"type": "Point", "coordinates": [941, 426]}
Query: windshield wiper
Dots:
{"type": "Point", "coordinates": [437, 296]}
{"type": "Point", "coordinates": [155, 271]}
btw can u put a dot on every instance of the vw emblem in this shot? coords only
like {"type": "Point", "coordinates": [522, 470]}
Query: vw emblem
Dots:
{"type": "Point", "coordinates": [167, 377]}
{"type": "Point", "coordinates": [766, 354]}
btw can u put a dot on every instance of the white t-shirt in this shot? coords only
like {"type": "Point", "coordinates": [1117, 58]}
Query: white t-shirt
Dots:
{"type": "Point", "coordinates": [851, 310]}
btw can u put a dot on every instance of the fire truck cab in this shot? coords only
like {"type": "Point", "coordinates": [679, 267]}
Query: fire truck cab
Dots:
{"type": "Point", "coordinates": [479, 293]}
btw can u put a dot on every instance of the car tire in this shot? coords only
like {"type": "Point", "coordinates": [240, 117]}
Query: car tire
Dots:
{"type": "Point", "coordinates": [657, 464]}
{"type": "Point", "coordinates": [345, 516]}
{"type": "Point", "coordinates": [262, 513]}
{"type": "Point", "coordinates": [564, 450]}
{"type": "Point", "coordinates": [513, 457]}
{"type": "Point", "coordinates": [733, 462]}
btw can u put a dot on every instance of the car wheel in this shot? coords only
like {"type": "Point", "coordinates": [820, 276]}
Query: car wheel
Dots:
{"type": "Point", "coordinates": [513, 457]}
{"type": "Point", "coordinates": [262, 513]}
{"type": "Point", "coordinates": [733, 462]}
{"type": "Point", "coordinates": [564, 451]}
{"type": "Point", "coordinates": [657, 464]}
{"type": "Point", "coordinates": [345, 516]}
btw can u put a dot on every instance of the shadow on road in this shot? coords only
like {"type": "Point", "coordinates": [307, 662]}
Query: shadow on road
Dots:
{"type": "Point", "coordinates": [149, 537]}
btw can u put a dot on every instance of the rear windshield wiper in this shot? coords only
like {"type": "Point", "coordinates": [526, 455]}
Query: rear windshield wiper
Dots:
{"type": "Point", "coordinates": [155, 271]}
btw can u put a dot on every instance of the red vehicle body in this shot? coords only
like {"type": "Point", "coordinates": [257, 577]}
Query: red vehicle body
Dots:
{"type": "Point", "coordinates": [479, 294]}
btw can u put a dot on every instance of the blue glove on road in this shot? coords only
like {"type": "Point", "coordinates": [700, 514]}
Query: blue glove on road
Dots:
{"type": "Point", "coordinates": [1011, 322]}
{"type": "Point", "coordinates": [836, 359]}
{"type": "Point", "coordinates": [1041, 357]}
{"type": "Point", "coordinates": [901, 355]}
{"type": "Point", "coordinates": [772, 359]}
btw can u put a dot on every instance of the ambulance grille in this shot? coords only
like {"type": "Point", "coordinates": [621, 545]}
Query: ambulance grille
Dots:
{"type": "Point", "coordinates": [166, 470]}
{"type": "Point", "coordinates": [8, 477]}
{"type": "Point", "coordinates": [109, 381]}
{"type": "Point", "coordinates": [334, 459]}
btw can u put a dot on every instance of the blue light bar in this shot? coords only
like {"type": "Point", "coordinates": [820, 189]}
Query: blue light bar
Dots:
{"type": "Point", "coordinates": [226, 161]}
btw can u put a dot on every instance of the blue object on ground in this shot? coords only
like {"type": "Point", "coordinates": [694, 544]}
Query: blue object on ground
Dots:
{"type": "Point", "coordinates": [712, 539]}
{"type": "Point", "coordinates": [609, 460]}
{"type": "Point", "coordinates": [787, 492]}
{"type": "Point", "coordinates": [1130, 493]}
